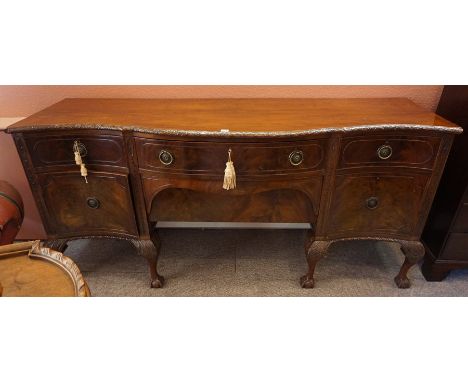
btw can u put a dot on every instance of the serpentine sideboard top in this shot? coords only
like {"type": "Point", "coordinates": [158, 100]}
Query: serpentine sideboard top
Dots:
{"type": "Point", "coordinates": [237, 117]}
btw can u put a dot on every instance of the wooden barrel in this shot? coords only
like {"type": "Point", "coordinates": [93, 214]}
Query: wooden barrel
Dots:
{"type": "Point", "coordinates": [11, 212]}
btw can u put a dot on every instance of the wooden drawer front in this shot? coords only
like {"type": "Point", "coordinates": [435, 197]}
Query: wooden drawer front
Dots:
{"type": "Point", "coordinates": [57, 150]}
{"type": "Point", "coordinates": [456, 247]}
{"type": "Point", "coordinates": [461, 221]}
{"type": "Point", "coordinates": [75, 207]}
{"type": "Point", "coordinates": [248, 158]}
{"type": "Point", "coordinates": [389, 150]}
{"type": "Point", "coordinates": [373, 204]}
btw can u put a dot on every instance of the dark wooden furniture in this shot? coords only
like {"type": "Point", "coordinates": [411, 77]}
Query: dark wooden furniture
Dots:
{"type": "Point", "coordinates": [30, 270]}
{"type": "Point", "coordinates": [446, 233]}
{"type": "Point", "coordinates": [351, 168]}
{"type": "Point", "coordinates": [11, 212]}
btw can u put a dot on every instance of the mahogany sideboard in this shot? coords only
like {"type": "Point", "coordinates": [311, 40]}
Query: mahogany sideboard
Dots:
{"type": "Point", "coordinates": [351, 168]}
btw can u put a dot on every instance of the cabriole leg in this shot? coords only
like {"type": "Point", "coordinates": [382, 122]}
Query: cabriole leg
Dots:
{"type": "Point", "coordinates": [315, 250]}
{"type": "Point", "coordinates": [150, 249]}
{"type": "Point", "coordinates": [414, 252]}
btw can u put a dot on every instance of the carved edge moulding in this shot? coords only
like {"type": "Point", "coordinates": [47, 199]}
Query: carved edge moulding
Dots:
{"type": "Point", "coordinates": [220, 134]}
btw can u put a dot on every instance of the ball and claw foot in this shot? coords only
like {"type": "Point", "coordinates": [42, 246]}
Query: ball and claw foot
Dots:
{"type": "Point", "coordinates": [158, 282]}
{"type": "Point", "coordinates": [402, 282]}
{"type": "Point", "coordinates": [315, 250]}
{"type": "Point", "coordinates": [149, 249]}
{"type": "Point", "coordinates": [414, 252]}
{"type": "Point", "coordinates": [307, 282]}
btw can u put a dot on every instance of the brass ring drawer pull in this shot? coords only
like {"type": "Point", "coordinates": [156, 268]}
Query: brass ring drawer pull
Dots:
{"type": "Point", "coordinates": [372, 202]}
{"type": "Point", "coordinates": [166, 157]}
{"type": "Point", "coordinates": [296, 157]}
{"type": "Point", "coordinates": [93, 203]}
{"type": "Point", "coordinates": [81, 148]}
{"type": "Point", "coordinates": [384, 152]}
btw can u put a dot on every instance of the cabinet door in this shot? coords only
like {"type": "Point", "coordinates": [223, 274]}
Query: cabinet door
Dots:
{"type": "Point", "coordinates": [366, 205]}
{"type": "Point", "coordinates": [101, 206]}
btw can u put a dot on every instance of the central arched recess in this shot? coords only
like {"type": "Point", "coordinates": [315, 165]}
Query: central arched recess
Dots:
{"type": "Point", "coordinates": [272, 206]}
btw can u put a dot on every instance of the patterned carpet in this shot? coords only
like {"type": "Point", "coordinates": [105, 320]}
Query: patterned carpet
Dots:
{"type": "Point", "coordinates": [225, 262]}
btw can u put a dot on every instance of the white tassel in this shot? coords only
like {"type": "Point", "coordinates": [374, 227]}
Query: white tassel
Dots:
{"type": "Point", "coordinates": [76, 151]}
{"type": "Point", "coordinates": [84, 172]}
{"type": "Point", "coordinates": [229, 174]}
{"type": "Point", "coordinates": [78, 159]}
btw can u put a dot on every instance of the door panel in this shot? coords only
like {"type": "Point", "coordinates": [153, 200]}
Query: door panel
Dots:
{"type": "Point", "coordinates": [378, 203]}
{"type": "Point", "coordinates": [103, 205]}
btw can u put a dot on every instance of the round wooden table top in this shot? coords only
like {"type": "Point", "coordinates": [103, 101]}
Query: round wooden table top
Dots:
{"type": "Point", "coordinates": [34, 271]}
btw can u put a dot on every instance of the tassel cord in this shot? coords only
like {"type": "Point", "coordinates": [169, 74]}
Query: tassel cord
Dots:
{"type": "Point", "coordinates": [229, 174]}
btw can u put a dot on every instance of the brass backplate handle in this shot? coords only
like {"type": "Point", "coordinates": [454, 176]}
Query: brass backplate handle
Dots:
{"type": "Point", "coordinates": [384, 152]}
{"type": "Point", "coordinates": [296, 157]}
{"type": "Point", "coordinates": [372, 203]}
{"type": "Point", "coordinates": [93, 203]}
{"type": "Point", "coordinates": [166, 157]}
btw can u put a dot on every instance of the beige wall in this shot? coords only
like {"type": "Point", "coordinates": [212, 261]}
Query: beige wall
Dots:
{"type": "Point", "coordinates": [21, 101]}
{"type": "Point", "coordinates": [11, 170]}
